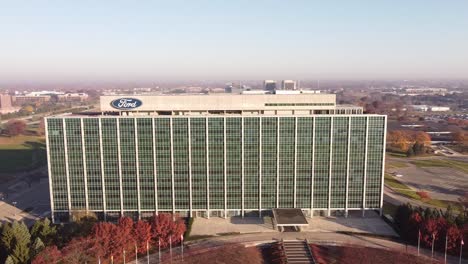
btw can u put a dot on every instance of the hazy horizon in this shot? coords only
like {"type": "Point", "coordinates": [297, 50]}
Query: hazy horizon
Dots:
{"type": "Point", "coordinates": [242, 40]}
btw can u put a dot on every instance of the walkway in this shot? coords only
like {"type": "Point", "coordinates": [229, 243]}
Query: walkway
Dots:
{"type": "Point", "coordinates": [297, 251]}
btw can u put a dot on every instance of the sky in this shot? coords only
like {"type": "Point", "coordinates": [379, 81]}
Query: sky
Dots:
{"type": "Point", "coordinates": [221, 40]}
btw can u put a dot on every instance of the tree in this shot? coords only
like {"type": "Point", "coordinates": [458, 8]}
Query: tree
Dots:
{"type": "Point", "coordinates": [453, 238]}
{"type": "Point", "coordinates": [464, 203]}
{"type": "Point", "coordinates": [460, 137]}
{"type": "Point", "coordinates": [102, 242]}
{"type": "Point", "coordinates": [422, 138]}
{"type": "Point", "coordinates": [22, 239]}
{"type": "Point", "coordinates": [124, 238]}
{"type": "Point", "coordinates": [36, 247]}
{"type": "Point", "coordinates": [28, 108]}
{"type": "Point", "coordinates": [165, 226]}
{"type": "Point", "coordinates": [42, 229]}
{"type": "Point", "coordinates": [142, 234]}
{"type": "Point", "coordinates": [15, 127]}
{"type": "Point", "coordinates": [16, 240]}
{"type": "Point", "coordinates": [10, 260]}
{"type": "Point", "coordinates": [79, 250]}
{"type": "Point", "coordinates": [50, 255]}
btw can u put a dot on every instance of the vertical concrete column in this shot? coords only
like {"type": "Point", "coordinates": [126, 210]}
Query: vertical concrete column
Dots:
{"type": "Point", "coordinates": [313, 170]}
{"type": "Point", "coordinates": [85, 171]}
{"type": "Point", "coordinates": [120, 167]}
{"type": "Point", "coordinates": [172, 164]}
{"type": "Point", "coordinates": [189, 132]}
{"type": "Point", "coordinates": [49, 170]}
{"type": "Point", "coordinates": [295, 162]}
{"type": "Point", "coordinates": [383, 165]}
{"type": "Point", "coordinates": [277, 160]}
{"type": "Point", "coordinates": [365, 169]}
{"type": "Point", "coordinates": [243, 167]}
{"type": "Point", "coordinates": [330, 167]}
{"type": "Point", "coordinates": [67, 169]}
{"type": "Point", "coordinates": [260, 168]}
{"type": "Point", "coordinates": [104, 203]}
{"type": "Point", "coordinates": [347, 167]}
{"type": "Point", "coordinates": [154, 168]}
{"type": "Point", "coordinates": [207, 170]}
{"type": "Point", "coordinates": [225, 167]}
{"type": "Point", "coordinates": [137, 167]}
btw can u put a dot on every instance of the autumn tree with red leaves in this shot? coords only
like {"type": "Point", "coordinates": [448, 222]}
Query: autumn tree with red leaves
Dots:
{"type": "Point", "coordinates": [15, 127]}
{"type": "Point", "coordinates": [165, 226]}
{"type": "Point", "coordinates": [142, 235]}
{"type": "Point", "coordinates": [50, 255]}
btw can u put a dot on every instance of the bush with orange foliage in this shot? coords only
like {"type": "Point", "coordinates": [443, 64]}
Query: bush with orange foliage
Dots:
{"type": "Point", "coordinates": [423, 195]}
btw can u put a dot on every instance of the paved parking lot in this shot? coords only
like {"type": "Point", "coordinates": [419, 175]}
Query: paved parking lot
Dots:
{"type": "Point", "coordinates": [442, 183]}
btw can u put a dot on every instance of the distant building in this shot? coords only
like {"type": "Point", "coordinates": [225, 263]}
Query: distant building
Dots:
{"type": "Point", "coordinates": [420, 108]}
{"type": "Point", "coordinates": [269, 85]}
{"type": "Point", "coordinates": [440, 108]}
{"type": "Point", "coordinates": [288, 85]}
{"type": "Point", "coordinates": [73, 97]}
{"type": "Point", "coordinates": [5, 104]}
{"type": "Point", "coordinates": [425, 91]}
{"type": "Point", "coordinates": [5, 101]}
{"type": "Point", "coordinates": [30, 99]}
{"type": "Point", "coordinates": [425, 108]}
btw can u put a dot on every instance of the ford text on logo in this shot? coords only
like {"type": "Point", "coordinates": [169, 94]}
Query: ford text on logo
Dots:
{"type": "Point", "coordinates": [126, 103]}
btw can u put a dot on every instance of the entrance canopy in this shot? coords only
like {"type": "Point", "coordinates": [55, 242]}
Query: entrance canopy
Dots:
{"type": "Point", "coordinates": [289, 217]}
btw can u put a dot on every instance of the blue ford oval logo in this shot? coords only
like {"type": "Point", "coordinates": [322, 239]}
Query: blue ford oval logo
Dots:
{"type": "Point", "coordinates": [126, 103]}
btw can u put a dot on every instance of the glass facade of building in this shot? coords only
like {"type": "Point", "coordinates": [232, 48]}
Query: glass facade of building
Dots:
{"type": "Point", "coordinates": [215, 165]}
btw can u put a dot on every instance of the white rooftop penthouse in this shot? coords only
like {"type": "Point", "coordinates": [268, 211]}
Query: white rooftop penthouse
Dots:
{"type": "Point", "coordinates": [226, 104]}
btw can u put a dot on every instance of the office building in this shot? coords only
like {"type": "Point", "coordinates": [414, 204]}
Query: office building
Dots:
{"type": "Point", "coordinates": [216, 155]}
{"type": "Point", "coordinates": [269, 85]}
{"type": "Point", "coordinates": [288, 85]}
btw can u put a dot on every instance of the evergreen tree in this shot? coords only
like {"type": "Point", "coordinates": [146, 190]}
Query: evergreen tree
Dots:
{"type": "Point", "coordinates": [42, 229]}
{"type": "Point", "coordinates": [36, 247]}
{"type": "Point", "coordinates": [22, 239]}
{"type": "Point", "coordinates": [10, 260]}
{"type": "Point", "coordinates": [8, 238]}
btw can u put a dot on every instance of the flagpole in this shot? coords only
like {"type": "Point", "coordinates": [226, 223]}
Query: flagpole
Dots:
{"type": "Point", "coordinates": [147, 251]}
{"type": "Point", "coordinates": [461, 250]}
{"type": "Point", "coordinates": [182, 244]}
{"type": "Point", "coordinates": [445, 256]}
{"type": "Point", "coordinates": [159, 250]}
{"type": "Point", "coordinates": [433, 238]}
{"type": "Point", "coordinates": [419, 239]}
{"type": "Point", "coordinates": [170, 247]}
{"type": "Point", "coordinates": [136, 253]}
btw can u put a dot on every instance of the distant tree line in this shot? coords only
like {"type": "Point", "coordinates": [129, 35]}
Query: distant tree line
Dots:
{"type": "Point", "coordinates": [409, 142]}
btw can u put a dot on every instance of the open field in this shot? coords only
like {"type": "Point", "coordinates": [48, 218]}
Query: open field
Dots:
{"type": "Point", "coordinates": [21, 153]}
{"type": "Point", "coordinates": [459, 165]}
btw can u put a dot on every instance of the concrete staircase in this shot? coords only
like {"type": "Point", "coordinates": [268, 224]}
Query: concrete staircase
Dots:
{"type": "Point", "coordinates": [297, 251]}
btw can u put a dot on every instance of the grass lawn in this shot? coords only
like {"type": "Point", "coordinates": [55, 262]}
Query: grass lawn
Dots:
{"type": "Point", "coordinates": [21, 153]}
{"type": "Point", "coordinates": [394, 183]}
{"type": "Point", "coordinates": [396, 164]}
{"type": "Point", "coordinates": [404, 190]}
{"type": "Point", "coordinates": [459, 165]}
